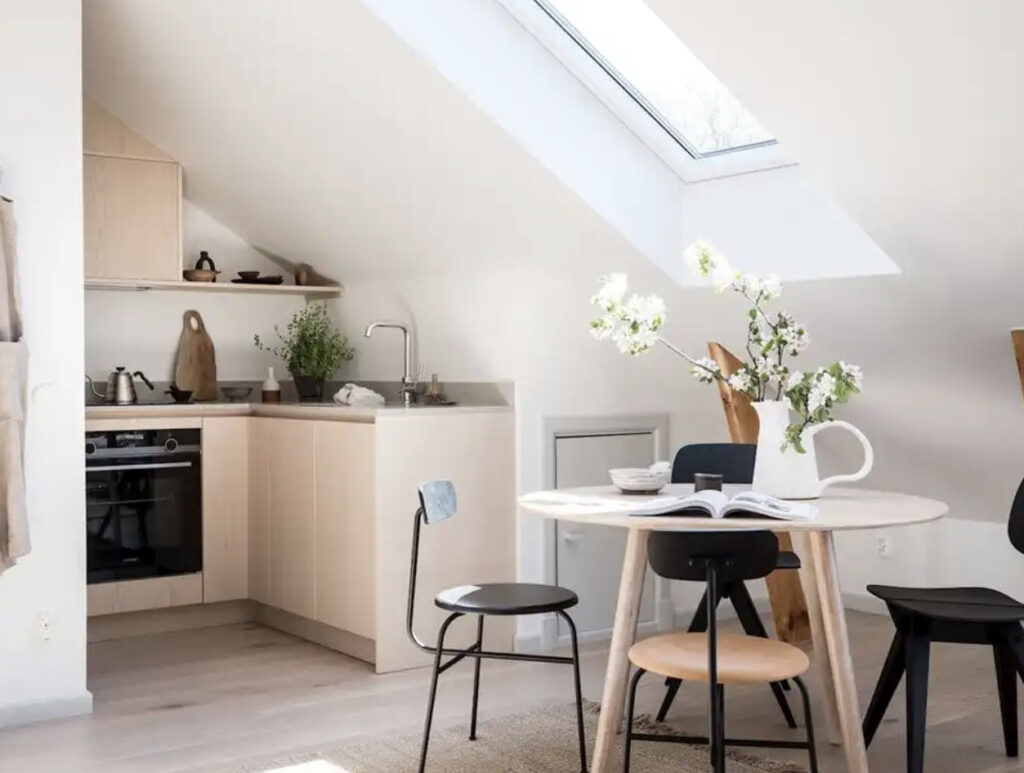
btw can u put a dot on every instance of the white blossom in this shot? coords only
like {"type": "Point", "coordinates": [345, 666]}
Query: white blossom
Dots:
{"type": "Point", "coordinates": [853, 373]}
{"type": "Point", "coordinates": [795, 379]}
{"type": "Point", "coordinates": [705, 370]}
{"type": "Point", "coordinates": [823, 391]}
{"type": "Point", "coordinates": [613, 288]}
{"type": "Point", "coordinates": [741, 381]}
{"type": "Point", "coordinates": [771, 287]}
{"type": "Point", "coordinates": [704, 261]}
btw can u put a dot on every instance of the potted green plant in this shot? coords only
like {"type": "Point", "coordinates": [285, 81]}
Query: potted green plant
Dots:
{"type": "Point", "coordinates": [312, 348]}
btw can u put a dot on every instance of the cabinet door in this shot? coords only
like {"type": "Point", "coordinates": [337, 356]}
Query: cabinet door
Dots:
{"type": "Point", "coordinates": [259, 509]}
{"type": "Point", "coordinates": [585, 553]}
{"type": "Point", "coordinates": [292, 517]}
{"type": "Point", "coordinates": [225, 508]}
{"type": "Point", "coordinates": [345, 520]}
{"type": "Point", "coordinates": [132, 218]}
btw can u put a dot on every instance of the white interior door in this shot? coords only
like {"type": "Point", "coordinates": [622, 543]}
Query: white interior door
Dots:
{"type": "Point", "coordinates": [588, 559]}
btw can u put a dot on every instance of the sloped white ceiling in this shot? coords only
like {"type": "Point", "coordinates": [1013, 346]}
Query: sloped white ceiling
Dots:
{"type": "Point", "coordinates": [320, 136]}
{"type": "Point", "coordinates": [912, 114]}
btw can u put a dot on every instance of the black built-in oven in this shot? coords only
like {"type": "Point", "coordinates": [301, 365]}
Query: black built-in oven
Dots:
{"type": "Point", "coordinates": [143, 494]}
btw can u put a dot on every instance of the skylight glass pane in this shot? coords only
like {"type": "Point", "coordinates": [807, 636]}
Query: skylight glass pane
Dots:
{"type": "Point", "coordinates": [639, 50]}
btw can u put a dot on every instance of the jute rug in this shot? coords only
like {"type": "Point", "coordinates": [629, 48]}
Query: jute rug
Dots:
{"type": "Point", "coordinates": [539, 741]}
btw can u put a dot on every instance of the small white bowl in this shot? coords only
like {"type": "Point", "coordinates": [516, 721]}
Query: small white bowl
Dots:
{"type": "Point", "coordinates": [641, 480]}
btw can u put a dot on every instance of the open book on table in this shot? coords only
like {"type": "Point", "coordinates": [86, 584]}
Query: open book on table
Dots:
{"type": "Point", "coordinates": [719, 505]}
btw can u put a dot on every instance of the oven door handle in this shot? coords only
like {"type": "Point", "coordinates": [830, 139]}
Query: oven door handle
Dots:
{"type": "Point", "coordinates": [157, 466]}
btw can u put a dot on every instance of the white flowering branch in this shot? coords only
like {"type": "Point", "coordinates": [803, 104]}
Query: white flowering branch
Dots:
{"type": "Point", "coordinates": [633, 326]}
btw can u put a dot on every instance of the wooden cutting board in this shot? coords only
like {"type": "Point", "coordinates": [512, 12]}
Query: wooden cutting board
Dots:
{"type": "Point", "coordinates": [196, 364]}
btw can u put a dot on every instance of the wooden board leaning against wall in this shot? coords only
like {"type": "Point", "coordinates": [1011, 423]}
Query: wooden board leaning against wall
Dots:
{"type": "Point", "coordinates": [789, 607]}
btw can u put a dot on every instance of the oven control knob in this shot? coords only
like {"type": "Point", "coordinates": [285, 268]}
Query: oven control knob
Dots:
{"type": "Point", "coordinates": [90, 447]}
{"type": "Point", "coordinates": [170, 445]}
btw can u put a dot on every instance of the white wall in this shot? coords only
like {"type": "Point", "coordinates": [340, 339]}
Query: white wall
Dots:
{"type": "Point", "coordinates": [41, 158]}
{"type": "Point", "coordinates": [140, 329]}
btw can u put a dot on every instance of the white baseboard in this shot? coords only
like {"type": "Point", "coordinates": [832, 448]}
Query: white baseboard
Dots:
{"type": "Point", "coordinates": [14, 714]}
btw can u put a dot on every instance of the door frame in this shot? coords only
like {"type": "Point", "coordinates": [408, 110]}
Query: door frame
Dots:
{"type": "Point", "coordinates": [555, 427]}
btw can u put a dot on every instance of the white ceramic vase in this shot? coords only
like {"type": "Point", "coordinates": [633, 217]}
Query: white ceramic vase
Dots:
{"type": "Point", "coordinates": [790, 474]}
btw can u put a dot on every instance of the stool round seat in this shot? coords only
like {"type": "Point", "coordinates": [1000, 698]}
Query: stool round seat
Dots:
{"type": "Point", "coordinates": [970, 605]}
{"type": "Point", "coordinates": [506, 598]}
{"type": "Point", "coordinates": [741, 659]}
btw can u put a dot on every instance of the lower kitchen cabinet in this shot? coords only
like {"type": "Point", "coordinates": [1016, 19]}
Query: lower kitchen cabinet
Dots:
{"type": "Point", "coordinates": [292, 521]}
{"type": "Point", "coordinates": [225, 508]}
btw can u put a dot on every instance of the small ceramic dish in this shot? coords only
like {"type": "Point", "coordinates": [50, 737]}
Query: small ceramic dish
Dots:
{"type": "Point", "coordinates": [179, 395]}
{"type": "Point", "coordinates": [235, 394]}
{"type": "Point", "coordinates": [641, 480]}
{"type": "Point", "coordinates": [248, 275]}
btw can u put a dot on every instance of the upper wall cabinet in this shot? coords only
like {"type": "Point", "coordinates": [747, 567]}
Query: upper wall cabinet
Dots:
{"type": "Point", "coordinates": [132, 200]}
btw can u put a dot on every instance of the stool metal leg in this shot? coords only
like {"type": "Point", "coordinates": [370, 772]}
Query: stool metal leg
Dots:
{"type": "Point", "coordinates": [433, 687]}
{"type": "Point", "coordinates": [812, 751]}
{"type": "Point", "coordinates": [627, 744]}
{"type": "Point", "coordinates": [476, 676]}
{"type": "Point", "coordinates": [579, 689]}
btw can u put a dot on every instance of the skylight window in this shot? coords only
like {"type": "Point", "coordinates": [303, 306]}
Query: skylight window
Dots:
{"type": "Point", "coordinates": [646, 58]}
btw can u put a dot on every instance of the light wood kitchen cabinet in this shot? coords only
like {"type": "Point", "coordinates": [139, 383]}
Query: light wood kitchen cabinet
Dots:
{"type": "Point", "coordinates": [259, 509]}
{"type": "Point", "coordinates": [292, 517]}
{"type": "Point", "coordinates": [345, 526]}
{"type": "Point", "coordinates": [225, 508]}
{"type": "Point", "coordinates": [132, 218]}
{"type": "Point", "coordinates": [152, 593]}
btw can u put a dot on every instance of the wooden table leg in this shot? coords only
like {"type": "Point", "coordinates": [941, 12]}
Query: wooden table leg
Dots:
{"type": "Point", "coordinates": [820, 656]}
{"type": "Point", "coordinates": [627, 609]}
{"type": "Point", "coordinates": [834, 625]}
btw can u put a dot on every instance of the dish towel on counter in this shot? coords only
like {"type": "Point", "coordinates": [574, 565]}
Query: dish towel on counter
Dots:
{"type": "Point", "coordinates": [353, 394]}
{"type": "Point", "coordinates": [14, 541]}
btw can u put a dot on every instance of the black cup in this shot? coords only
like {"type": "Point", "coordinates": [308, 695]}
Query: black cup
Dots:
{"type": "Point", "coordinates": [707, 480]}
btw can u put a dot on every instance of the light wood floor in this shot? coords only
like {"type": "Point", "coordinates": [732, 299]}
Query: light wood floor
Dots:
{"type": "Point", "coordinates": [200, 700]}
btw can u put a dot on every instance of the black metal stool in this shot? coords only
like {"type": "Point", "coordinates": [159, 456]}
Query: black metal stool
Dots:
{"type": "Point", "coordinates": [438, 503]}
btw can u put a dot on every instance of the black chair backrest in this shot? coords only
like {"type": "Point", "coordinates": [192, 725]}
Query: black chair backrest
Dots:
{"type": "Point", "coordinates": [737, 555]}
{"type": "Point", "coordinates": [1016, 527]}
{"type": "Point", "coordinates": [733, 461]}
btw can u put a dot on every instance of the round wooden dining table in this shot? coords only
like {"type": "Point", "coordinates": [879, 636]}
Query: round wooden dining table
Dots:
{"type": "Point", "coordinates": [839, 509]}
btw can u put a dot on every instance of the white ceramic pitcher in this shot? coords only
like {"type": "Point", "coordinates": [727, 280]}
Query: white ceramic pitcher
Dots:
{"type": "Point", "coordinates": [789, 474]}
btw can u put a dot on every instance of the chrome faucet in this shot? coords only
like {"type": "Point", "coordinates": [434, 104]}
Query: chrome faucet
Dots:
{"type": "Point", "coordinates": [408, 382]}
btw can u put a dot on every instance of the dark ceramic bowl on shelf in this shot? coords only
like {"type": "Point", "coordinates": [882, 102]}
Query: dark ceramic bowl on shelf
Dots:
{"type": "Point", "coordinates": [248, 275]}
{"type": "Point", "coordinates": [235, 394]}
{"type": "Point", "coordinates": [179, 395]}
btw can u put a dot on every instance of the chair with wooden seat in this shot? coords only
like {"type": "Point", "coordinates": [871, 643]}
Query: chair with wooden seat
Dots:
{"type": "Point", "coordinates": [735, 463]}
{"type": "Point", "coordinates": [955, 615]}
{"type": "Point", "coordinates": [712, 657]}
{"type": "Point", "coordinates": [438, 503]}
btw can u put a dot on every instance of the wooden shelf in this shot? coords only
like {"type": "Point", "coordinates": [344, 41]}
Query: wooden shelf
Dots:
{"type": "Point", "coordinates": [309, 291]}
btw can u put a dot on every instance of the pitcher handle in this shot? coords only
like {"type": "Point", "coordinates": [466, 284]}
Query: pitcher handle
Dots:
{"type": "Point", "coordinates": [869, 454]}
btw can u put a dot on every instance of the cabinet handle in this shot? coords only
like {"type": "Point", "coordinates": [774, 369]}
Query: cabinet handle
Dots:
{"type": "Point", "coordinates": [571, 536]}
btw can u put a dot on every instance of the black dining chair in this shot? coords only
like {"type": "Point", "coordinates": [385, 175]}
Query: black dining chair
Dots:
{"type": "Point", "coordinates": [955, 615]}
{"type": "Point", "coordinates": [720, 659]}
{"type": "Point", "coordinates": [438, 503]}
{"type": "Point", "coordinates": [735, 463]}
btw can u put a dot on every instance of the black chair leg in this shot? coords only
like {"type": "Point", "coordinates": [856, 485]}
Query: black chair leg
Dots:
{"type": "Point", "coordinates": [627, 745]}
{"type": "Point", "coordinates": [581, 733]}
{"type": "Point", "coordinates": [433, 688]}
{"type": "Point", "coordinates": [698, 624]}
{"type": "Point", "coordinates": [1006, 681]}
{"type": "Point", "coordinates": [717, 739]}
{"type": "Point", "coordinates": [888, 680]}
{"type": "Point", "coordinates": [752, 626]}
{"type": "Point", "coordinates": [812, 751]}
{"type": "Point", "coordinates": [918, 650]}
{"type": "Point", "coordinates": [476, 677]}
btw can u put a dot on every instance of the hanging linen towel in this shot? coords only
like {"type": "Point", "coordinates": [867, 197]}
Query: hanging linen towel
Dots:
{"type": "Point", "coordinates": [14, 540]}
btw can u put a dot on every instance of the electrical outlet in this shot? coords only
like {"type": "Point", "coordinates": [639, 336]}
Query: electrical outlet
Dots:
{"type": "Point", "coordinates": [884, 547]}
{"type": "Point", "coordinates": [45, 627]}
